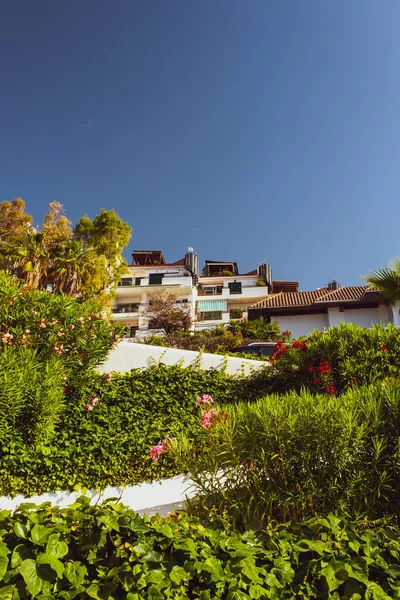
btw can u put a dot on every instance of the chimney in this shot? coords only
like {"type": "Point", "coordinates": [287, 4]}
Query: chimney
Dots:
{"type": "Point", "coordinates": [192, 261]}
{"type": "Point", "coordinates": [333, 285]}
{"type": "Point", "coordinates": [265, 272]}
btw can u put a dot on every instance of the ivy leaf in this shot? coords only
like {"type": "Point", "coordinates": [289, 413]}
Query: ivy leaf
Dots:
{"type": "Point", "coordinates": [7, 592]}
{"type": "Point", "coordinates": [75, 573]}
{"type": "Point", "coordinates": [3, 566]}
{"type": "Point", "coordinates": [20, 530]}
{"type": "Point", "coordinates": [39, 534]}
{"type": "Point", "coordinates": [32, 580]}
{"type": "Point", "coordinates": [178, 574]}
{"type": "Point", "coordinates": [55, 547]}
{"type": "Point", "coordinates": [55, 564]}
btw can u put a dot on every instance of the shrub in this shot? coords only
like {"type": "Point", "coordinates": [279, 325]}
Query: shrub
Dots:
{"type": "Point", "coordinates": [338, 359]}
{"type": "Point", "coordinates": [108, 551]}
{"type": "Point", "coordinates": [31, 396]}
{"type": "Point", "coordinates": [236, 313]}
{"type": "Point", "coordinates": [108, 425]}
{"type": "Point", "coordinates": [54, 325]}
{"type": "Point", "coordinates": [258, 329]}
{"type": "Point", "coordinates": [292, 456]}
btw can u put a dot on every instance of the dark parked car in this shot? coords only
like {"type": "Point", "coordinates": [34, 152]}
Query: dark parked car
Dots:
{"type": "Point", "coordinates": [258, 348]}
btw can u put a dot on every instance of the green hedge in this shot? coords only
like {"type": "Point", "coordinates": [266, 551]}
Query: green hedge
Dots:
{"type": "Point", "coordinates": [108, 552]}
{"type": "Point", "coordinates": [109, 444]}
{"type": "Point", "coordinates": [294, 455]}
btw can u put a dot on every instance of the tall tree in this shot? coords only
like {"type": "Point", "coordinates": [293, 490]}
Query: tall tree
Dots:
{"type": "Point", "coordinates": [15, 222]}
{"type": "Point", "coordinates": [29, 260]}
{"type": "Point", "coordinates": [70, 266]}
{"type": "Point", "coordinates": [107, 234]}
{"type": "Point", "coordinates": [56, 227]}
{"type": "Point", "coordinates": [387, 281]}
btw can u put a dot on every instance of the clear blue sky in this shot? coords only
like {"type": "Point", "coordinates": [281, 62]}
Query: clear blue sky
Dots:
{"type": "Point", "coordinates": [247, 129]}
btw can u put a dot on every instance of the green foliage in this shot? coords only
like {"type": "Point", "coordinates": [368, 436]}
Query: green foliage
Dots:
{"type": "Point", "coordinates": [291, 456]}
{"type": "Point", "coordinates": [258, 329]}
{"type": "Point", "coordinates": [31, 396]}
{"type": "Point", "coordinates": [354, 355]}
{"type": "Point", "coordinates": [109, 444]}
{"type": "Point", "coordinates": [260, 282]}
{"type": "Point", "coordinates": [236, 313]}
{"type": "Point", "coordinates": [109, 552]}
{"type": "Point", "coordinates": [54, 325]}
{"type": "Point", "coordinates": [86, 261]}
{"type": "Point", "coordinates": [221, 339]}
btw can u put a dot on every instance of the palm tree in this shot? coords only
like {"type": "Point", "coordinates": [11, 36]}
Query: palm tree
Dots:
{"type": "Point", "coordinates": [70, 266]}
{"type": "Point", "coordinates": [29, 261]}
{"type": "Point", "coordinates": [387, 281]}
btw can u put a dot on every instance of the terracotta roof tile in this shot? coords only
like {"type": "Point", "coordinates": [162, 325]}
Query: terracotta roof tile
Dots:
{"type": "Point", "coordinates": [292, 299]}
{"type": "Point", "coordinates": [348, 292]}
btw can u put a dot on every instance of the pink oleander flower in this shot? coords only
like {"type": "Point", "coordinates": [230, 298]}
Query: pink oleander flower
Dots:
{"type": "Point", "coordinates": [206, 420]}
{"type": "Point", "coordinates": [204, 399]}
{"type": "Point", "coordinates": [158, 449]}
{"type": "Point", "coordinates": [108, 378]}
{"type": "Point", "coordinates": [89, 407]}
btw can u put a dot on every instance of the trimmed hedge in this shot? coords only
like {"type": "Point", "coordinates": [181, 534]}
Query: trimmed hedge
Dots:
{"type": "Point", "coordinates": [104, 434]}
{"type": "Point", "coordinates": [108, 552]}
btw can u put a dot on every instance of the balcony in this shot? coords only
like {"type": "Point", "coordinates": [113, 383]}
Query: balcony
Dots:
{"type": "Point", "coordinates": [125, 308]}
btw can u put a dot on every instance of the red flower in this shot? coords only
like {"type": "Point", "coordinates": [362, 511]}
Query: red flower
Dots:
{"type": "Point", "coordinates": [330, 389]}
{"type": "Point", "coordinates": [317, 381]}
{"type": "Point", "coordinates": [310, 369]}
{"type": "Point", "coordinates": [384, 348]}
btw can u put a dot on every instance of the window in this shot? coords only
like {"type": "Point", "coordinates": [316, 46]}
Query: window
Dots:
{"type": "Point", "coordinates": [126, 308]}
{"type": "Point", "coordinates": [155, 279]}
{"type": "Point", "coordinates": [138, 280]}
{"type": "Point", "coordinates": [130, 331]}
{"type": "Point", "coordinates": [212, 289]}
{"type": "Point", "coordinates": [235, 287]}
{"type": "Point", "coordinates": [213, 315]}
{"type": "Point", "coordinates": [125, 281]}
{"type": "Point", "coordinates": [184, 301]}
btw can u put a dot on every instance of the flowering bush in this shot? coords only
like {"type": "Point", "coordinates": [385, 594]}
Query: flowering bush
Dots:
{"type": "Point", "coordinates": [336, 360]}
{"type": "Point", "coordinates": [55, 326]}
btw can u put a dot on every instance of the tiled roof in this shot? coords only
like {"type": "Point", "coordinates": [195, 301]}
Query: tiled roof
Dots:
{"type": "Point", "coordinates": [292, 299]}
{"type": "Point", "coordinates": [348, 292]}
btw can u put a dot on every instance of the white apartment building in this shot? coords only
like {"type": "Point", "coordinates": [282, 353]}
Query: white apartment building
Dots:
{"type": "Point", "coordinates": [149, 272]}
{"type": "Point", "coordinates": [213, 299]}
{"type": "Point", "coordinates": [223, 293]}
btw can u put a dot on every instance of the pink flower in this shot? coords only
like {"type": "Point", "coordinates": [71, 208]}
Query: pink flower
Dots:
{"type": "Point", "coordinates": [206, 420]}
{"type": "Point", "coordinates": [89, 407]}
{"type": "Point", "coordinates": [160, 448]}
{"type": "Point", "coordinates": [108, 378]}
{"type": "Point", "coordinates": [204, 399]}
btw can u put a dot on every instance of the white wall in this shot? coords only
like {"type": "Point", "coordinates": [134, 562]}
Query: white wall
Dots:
{"type": "Point", "coordinates": [305, 324]}
{"type": "Point", "coordinates": [128, 355]}
{"type": "Point", "coordinates": [366, 317]}
{"type": "Point", "coordinates": [302, 324]}
{"type": "Point", "coordinates": [150, 498]}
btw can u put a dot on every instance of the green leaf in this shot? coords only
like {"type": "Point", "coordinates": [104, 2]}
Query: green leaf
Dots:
{"type": "Point", "coordinates": [7, 592]}
{"type": "Point", "coordinates": [55, 564]}
{"type": "Point", "coordinates": [20, 530]}
{"type": "Point", "coordinates": [55, 547]}
{"type": "Point", "coordinates": [32, 580]}
{"type": "Point", "coordinates": [40, 534]}
{"type": "Point", "coordinates": [20, 553]}
{"type": "Point", "coordinates": [75, 573]}
{"type": "Point", "coordinates": [178, 574]}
